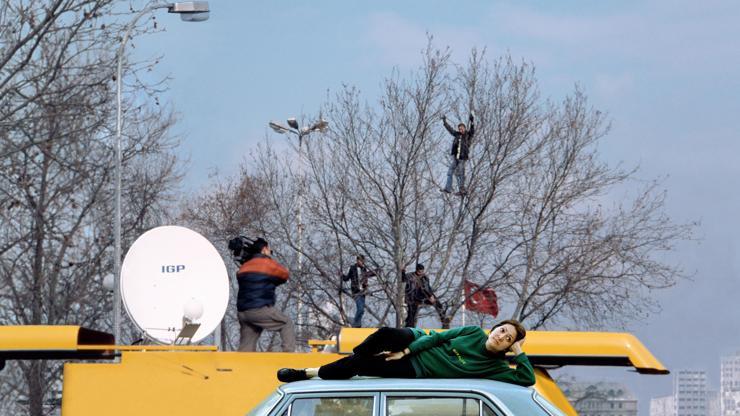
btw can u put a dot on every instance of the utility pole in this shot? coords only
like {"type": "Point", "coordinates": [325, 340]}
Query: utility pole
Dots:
{"type": "Point", "coordinates": [300, 133]}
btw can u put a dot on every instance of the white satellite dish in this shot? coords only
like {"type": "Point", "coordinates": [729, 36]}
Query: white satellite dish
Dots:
{"type": "Point", "coordinates": [173, 276]}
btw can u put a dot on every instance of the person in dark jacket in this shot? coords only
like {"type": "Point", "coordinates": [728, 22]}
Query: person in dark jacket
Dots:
{"type": "Point", "coordinates": [358, 275]}
{"type": "Point", "coordinates": [465, 352]}
{"type": "Point", "coordinates": [459, 153]}
{"type": "Point", "coordinates": [419, 292]}
{"type": "Point", "coordinates": [258, 277]}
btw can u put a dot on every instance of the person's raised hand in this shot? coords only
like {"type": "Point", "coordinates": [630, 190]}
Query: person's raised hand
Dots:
{"type": "Point", "coordinates": [471, 116]}
{"type": "Point", "coordinates": [516, 347]}
{"type": "Point", "coordinates": [444, 118]}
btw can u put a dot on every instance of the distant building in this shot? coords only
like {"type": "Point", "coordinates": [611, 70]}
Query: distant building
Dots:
{"type": "Point", "coordinates": [601, 399]}
{"type": "Point", "coordinates": [662, 406]}
{"type": "Point", "coordinates": [690, 392]}
{"type": "Point", "coordinates": [730, 385]}
{"type": "Point", "coordinates": [713, 403]}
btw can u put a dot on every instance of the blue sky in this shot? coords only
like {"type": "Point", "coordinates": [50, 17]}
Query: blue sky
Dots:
{"type": "Point", "coordinates": [666, 72]}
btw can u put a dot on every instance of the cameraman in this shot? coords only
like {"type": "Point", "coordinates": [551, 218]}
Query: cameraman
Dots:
{"type": "Point", "coordinates": [258, 277]}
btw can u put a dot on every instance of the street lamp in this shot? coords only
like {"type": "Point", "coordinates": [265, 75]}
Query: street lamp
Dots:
{"type": "Point", "coordinates": [293, 128]}
{"type": "Point", "coordinates": [190, 11]}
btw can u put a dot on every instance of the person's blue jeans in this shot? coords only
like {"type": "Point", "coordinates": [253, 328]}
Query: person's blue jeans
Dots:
{"type": "Point", "coordinates": [359, 310]}
{"type": "Point", "coordinates": [457, 168]}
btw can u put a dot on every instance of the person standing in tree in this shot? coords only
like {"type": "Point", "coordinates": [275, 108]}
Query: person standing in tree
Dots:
{"type": "Point", "coordinates": [463, 138]}
{"type": "Point", "coordinates": [419, 292]}
{"type": "Point", "coordinates": [358, 275]}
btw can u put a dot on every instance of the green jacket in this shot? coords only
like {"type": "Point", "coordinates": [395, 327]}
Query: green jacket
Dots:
{"type": "Point", "coordinates": [461, 353]}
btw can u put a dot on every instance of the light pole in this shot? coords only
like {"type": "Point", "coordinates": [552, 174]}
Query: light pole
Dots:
{"type": "Point", "coordinates": [190, 11]}
{"type": "Point", "coordinates": [293, 128]}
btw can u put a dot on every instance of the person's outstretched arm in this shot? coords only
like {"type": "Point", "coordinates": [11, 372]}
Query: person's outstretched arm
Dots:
{"type": "Point", "coordinates": [448, 127]}
{"type": "Point", "coordinates": [472, 125]}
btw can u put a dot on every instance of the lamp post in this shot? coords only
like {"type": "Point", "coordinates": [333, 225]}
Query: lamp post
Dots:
{"type": "Point", "coordinates": [293, 128]}
{"type": "Point", "coordinates": [189, 11]}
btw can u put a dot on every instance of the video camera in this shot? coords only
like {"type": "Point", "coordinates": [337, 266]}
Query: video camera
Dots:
{"type": "Point", "coordinates": [244, 248]}
{"type": "Point", "coordinates": [241, 249]}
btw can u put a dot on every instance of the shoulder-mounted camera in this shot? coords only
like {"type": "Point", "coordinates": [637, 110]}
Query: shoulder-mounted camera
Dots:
{"type": "Point", "coordinates": [244, 248]}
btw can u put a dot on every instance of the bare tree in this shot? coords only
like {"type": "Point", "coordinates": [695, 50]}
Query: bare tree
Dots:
{"type": "Point", "coordinates": [26, 29]}
{"type": "Point", "coordinates": [536, 226]}
{"type": "Point", "coordinates": [366, 180]}
{"type": "Point", "coordinates": [56, 112]}
{"type": "Point", "coordinates": [573, 255]}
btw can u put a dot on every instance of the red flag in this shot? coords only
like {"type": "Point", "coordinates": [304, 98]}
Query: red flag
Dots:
{"type": "Point", "coordinates": [480, 300]}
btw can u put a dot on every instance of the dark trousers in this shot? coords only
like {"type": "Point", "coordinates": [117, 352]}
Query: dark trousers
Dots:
{"type": "Point", "coordinates": [364, 362]}
{"type": "Point", "coordinates": [412, 309]}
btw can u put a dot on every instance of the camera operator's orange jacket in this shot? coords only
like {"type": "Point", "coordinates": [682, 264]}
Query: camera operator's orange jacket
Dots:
{"type": "Point", "coordinates": [258, 278]}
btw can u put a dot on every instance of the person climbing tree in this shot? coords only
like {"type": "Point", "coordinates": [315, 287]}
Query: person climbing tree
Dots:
{"type": "Point", "coordinates": [418, 293]}
{"type": "Point", "coordinates": [458, 153]}
{"type": "Point", "coordinates": [358, 275]}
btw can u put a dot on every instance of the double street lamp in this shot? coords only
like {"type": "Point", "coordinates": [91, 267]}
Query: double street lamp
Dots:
{"type": "Point", "coordinates": [300, 132]}
{"type": "Point", "coordinates": [189, 11]}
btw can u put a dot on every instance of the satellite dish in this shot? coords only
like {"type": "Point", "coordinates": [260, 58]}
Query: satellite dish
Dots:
{"type": "Point", "coordinates": [173, 276]}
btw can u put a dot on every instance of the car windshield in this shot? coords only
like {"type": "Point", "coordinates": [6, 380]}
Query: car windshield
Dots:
{"type": "Point", "coordinates": [266, 405]}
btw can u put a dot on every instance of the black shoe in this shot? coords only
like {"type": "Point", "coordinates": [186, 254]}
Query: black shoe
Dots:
{"type": "Point", "coordinates": [445, 190]}
{"type": "Point", "coordinates": [287, 375]}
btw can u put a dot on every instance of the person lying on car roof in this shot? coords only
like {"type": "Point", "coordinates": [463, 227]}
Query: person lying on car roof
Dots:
{"type": "Point", "coordinates": [465, 352]}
